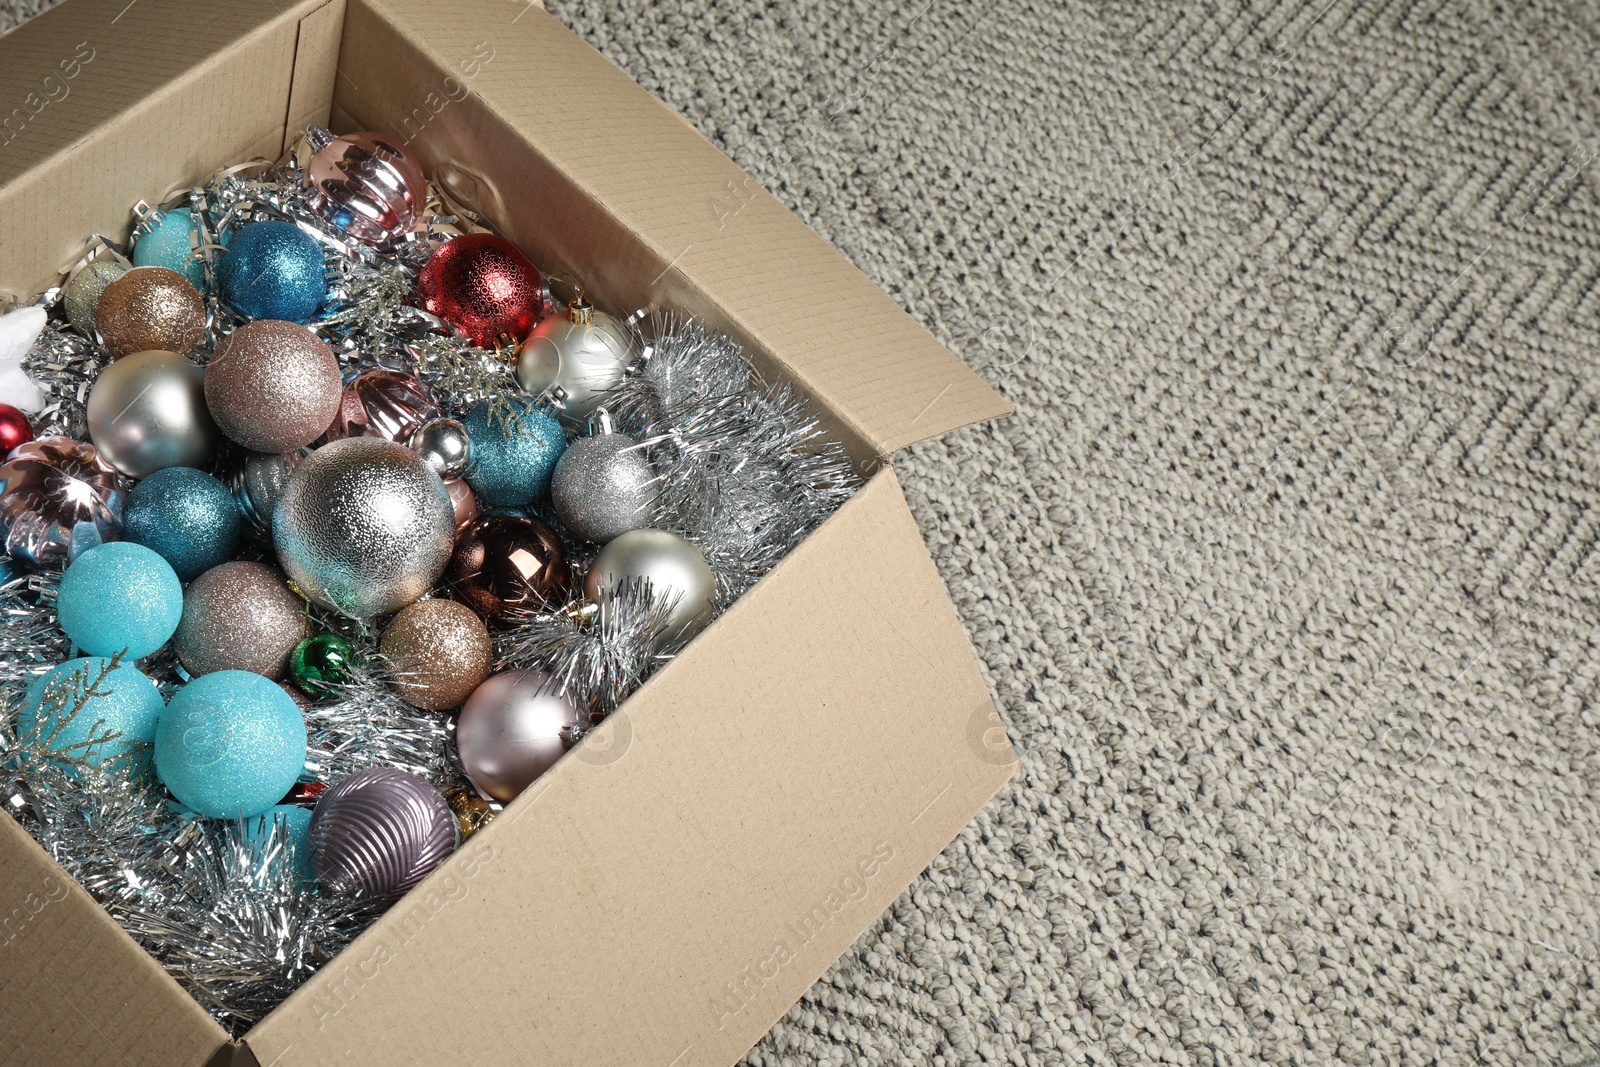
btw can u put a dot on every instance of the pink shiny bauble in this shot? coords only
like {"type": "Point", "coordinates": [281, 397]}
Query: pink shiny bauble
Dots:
{"type": "Point", "coordinates": [483, 286]}
{"type": "Point", "coordinates": [51, 488]}
{"type": "Point", "coordinates": [512, 729]}
{"type": "Point", "coordinates": [367, 186]}
{"type": "Point", "coordinates": [462, 501]}
{"type": "Point", "coordinates": [15, 429]}
{"type": "Point", "coordinates": [390, 404]}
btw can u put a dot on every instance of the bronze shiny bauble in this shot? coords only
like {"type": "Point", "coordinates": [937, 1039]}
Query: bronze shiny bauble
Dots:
{"type": "Point", "coordinates": [473, 812]}
{"type": "Point", "coordinates": [503, 566]}
{"type": "Point", "coordinates": [150, 308]}
{"type": "Point", "coordinates": [438, 652]}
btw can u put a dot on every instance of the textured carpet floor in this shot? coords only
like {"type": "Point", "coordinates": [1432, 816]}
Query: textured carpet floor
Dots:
{"type": "Point", "coordinates": [1284, 574]}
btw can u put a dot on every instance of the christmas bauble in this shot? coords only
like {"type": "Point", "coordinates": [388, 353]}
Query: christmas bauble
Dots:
{"type": "Point", "coordinates": [379, 832]}
{"type": "Point", "coordinates": [603, 487]}
{"type": "Point", "coordinates": [444, 447]}
{"type": "Point", "coordinates": [514, 449]}
{"type": "Point", "coordinates": [119, 597]}
{"type": "Point", "coordinates": [171, 239]}
{"type": "Point", "coordinates": [240, 616]}
{"type": "Point", "coordinates": [81, 296]}
{"type": "Point", "coordinates": [438, 652]}
{"type": "Point", "coordinates": [15, 429]}
{"type": "Point", "coordinates": [321, 663]}
{"type": "Point", "coordinates": [230, 744]}
{"type": "Point", "coordinates": [676, 570]}
{"type": "Point", "coordinates": [187, 516]}
{"type": "Point", "coordinates": [74, 710]}
{"type": "Point", "coordinates": [462, 502]}
{"type": "Point", "coordinates": [483, 286]}
{"type": "Point", "coordinates": [150, 308]}
{"type": "Point", "coordinates": [148, 411]}
{"type": "Point", "coordinates": [363, 527]}
{"type": "Point", "coordinates": [383, 403]}
{"type": "Point", "coordinates": [503, 566]}
{"type": "Point", "coordinates": [583, 353]}
{"type": "Point", "coordinates": [366, 185]}
{"type": "Point", "coordinates": [473, 812]}
{"type": "Point", "coordinates": [257, 480]}
{"type": "Point", "coordinates": [512, 729]}
{"type": "Point", "coordinates": [272, 270]}
{"type": "Point", "coordinates": [48, 488]}
{"type": "Point", "coordinates": [273, 386]}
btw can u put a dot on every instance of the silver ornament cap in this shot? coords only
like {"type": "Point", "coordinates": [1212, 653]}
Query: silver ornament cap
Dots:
{"type": "Point", "coordinates": [604, 486]}
{"type": "Point", "coordinates": [584, 354]}
{"type": "Point", "coordinates": [677, 571]}
{"type": "Point", "coordinates": [363, 527]}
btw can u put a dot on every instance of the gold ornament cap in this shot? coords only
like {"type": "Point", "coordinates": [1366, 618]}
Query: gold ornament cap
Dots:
{"type": "Point", "coordinates": [580, 311]}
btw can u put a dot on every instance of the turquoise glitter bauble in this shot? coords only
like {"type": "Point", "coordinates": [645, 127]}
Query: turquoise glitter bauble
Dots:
{"type": "Point", "coordinates": [120, 597]}
{"type": "Point", "coordinates": [296, 822]}
{"type": "Point", "coordinates": [167, 244]}
{"type": "Point", "coordinates": [272, 270]}
{"type": "Point", "coordinates": [187, 516]}
{"type": "Point", "coordinates": [513, 452]}
{"type": "Point", "coordinates": [122, 702]}
{"type": "Point", "coordinates": [230, 744]}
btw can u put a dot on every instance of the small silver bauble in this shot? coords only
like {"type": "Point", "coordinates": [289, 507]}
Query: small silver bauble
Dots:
{"type": "Point", "coordinates": [147, 411]}
{"type": "Point", "coordinates": [443, 447]}
{"type": "Point", "coordinates": [603, 486]}
{"type": "Point", "coordinates": [257, 480]}
{"type": "Point", "coordinates": [512, 729]}
{"type": "Point", "coordinates": [580, 357]}
{"type": "Point", "coordinates": [363, 527]}
{"type": "Point", "coordinates": [678, 573]}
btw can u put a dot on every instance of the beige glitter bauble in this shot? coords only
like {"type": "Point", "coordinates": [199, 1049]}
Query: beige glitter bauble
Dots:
{"type": "Point", "coordinates": [438, 652]}
{"type": "Point", "coordinates": [240, 616]}
{"type": "Point", "coordinates": [150, 308]}
{"type": "Point", "coordinates": [273, 386]}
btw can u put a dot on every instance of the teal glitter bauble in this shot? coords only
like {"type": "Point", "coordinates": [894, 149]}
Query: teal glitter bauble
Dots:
{"type": "Point", "coordinates": [122, 702]}
{"type": "Point", "coordinates": [230, 744]}
{"type": "Point", "coordinates": [272, 270]}
{"type": "Point", "coordinates": [187, 516]}
{"type": "Point", "coordinates": [168, 244]}
{"type": "Point", "coordinates": [513, 452]}
{"type": "Point", "coordinates": [120, 597]}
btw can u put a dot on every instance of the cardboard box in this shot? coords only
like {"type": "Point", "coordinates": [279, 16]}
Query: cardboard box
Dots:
{"type": "Point", "coordinates": [672, 887]}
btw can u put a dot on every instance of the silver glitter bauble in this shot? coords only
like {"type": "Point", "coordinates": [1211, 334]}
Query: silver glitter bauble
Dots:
{"type": "Point", "coordinates": [676, 570]}
{"type": "Point", "coordinates": [379, 832]}
{"type": "Point", "coordinates": [257, 480]}
{"type": "Point", "coordinates": [584, 354]}
{"type": "Point", "coordinates": [443, 447]}
{"type": "Point", "coordinates": [363, 527]}
{"type": "Point", "coordinates": [147, 411]}
{"type": "Point", "coordinates": [604, 486]}
{"type": "Point", "coordinates": [512, 729]}
{"type": "Point", "coordinates": [240, 616]}
{"type": "Point", "coordinates": [82, 293]}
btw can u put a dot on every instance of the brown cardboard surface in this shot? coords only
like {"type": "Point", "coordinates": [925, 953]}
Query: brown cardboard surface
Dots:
{"type": "Point", "coordinates": [671, 887]}
{"type": "Point", "coordinates": [74, 988]}
{"type": "Point", "coordinates": [149, 108]}
{"type": "Point", "coordinates": [596, 176]}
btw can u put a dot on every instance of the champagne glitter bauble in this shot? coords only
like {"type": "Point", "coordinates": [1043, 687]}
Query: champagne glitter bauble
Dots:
{"type": "Point", "coordinates": [483, 286]}
{"type": "Point", "coordinates": [379, 832]}
{"type": "Point", "coordinates": [581, 356]}
{"type": "Point", "coordinates": [366, 185]}
{"type": "Point", "coordinates": [363, 527]}
{"type": "Point", "coordinates": [603, 486]}
{"type": "Point", "coordinates": [240, 616]}
{"type": "Point", "coordinates": [15, 429]}
{"type": "Point", "coordinates": [503, 565]}
{"type": "Point", "coordinates": [272, 270]}
{"type": "Point", "coordinates": [273, 386]}
{"type": "Point", "coordinates": [150, 308]}
{"type": "Point", "coordinates": [512, 729]}
{"type": "Point", "coordinates": [48, 488]}
{"type": "Point", "coordinates": [444, 446]}
{"type": "Point", "coordinates": [676, 570]}
{"type": "Point", "coordinates": [148, 411]}
{"type": "Point", "coordinates": [81, 296]}
{"type": "Point", "coordinates": [320, 664]}
{"type": "Point", "coordinates": [257, 480]}
{"type": "Point", "coordinates": [438, 652]}
{"type": "Point", "coordinates": [383, 403]}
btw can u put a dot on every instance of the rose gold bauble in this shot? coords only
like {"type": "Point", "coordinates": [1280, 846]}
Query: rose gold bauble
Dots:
{"type": "Point", "coordinates": [438, 652]}
{"type": "Point", "coordinates": [150, 308]}
{"type": "Point", "coordinates": [464, 503]}
{"type": "Point", "coordinates": [383, 403]}
{"type": "Point", "coordinates": [512, 729]}
{"type": "Point", "coordinates": [503, 565]}
{"type": "Point", "coordinates": [273, 386]}
{"type": "Point", "coordinates": [366, 184]}
{"type": "Point", "coordinates": [240, 616]}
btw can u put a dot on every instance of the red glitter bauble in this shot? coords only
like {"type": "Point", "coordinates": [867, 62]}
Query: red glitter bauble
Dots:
{"type": "Point", "coordinates": [483, 286]}
{"type": "Point", "coordinates": [14, 429]}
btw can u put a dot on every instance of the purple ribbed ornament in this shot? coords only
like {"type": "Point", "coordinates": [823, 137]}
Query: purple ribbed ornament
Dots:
{"type": "Point", "coordinates": [379, 832]}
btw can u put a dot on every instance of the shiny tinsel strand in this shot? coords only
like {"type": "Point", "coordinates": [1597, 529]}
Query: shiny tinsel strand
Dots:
{"type": "Point", "coordinates": [362, 723]}
{"type": "Point", "coordinates": [30, 641]}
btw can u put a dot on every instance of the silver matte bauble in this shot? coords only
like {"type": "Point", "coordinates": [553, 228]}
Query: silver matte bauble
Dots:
{"type": "Point", "coordinates": [677, 571]}
{"type": "Point", "coordinates": [363, 527]}
{"type": "Point", "coordinates": [603, 486]}
{"type": "Point", "coordinates": [257, 480]}
{"type": "Point", "coordinates": [585, 353]}
{"type": "Point", "coordinates": [443, 447]}
{"type": "Point", "coordinates": [147, 411]}
{"type": "Point", "coordinates": [512, 729]}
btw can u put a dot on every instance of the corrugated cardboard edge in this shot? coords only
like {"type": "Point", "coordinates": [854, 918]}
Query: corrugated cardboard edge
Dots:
{"type": "Point", "coordinates": [670, 888]}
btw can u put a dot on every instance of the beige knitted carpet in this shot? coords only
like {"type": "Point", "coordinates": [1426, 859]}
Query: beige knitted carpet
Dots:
{"type": "Point", "coordinates": [1285, 572]}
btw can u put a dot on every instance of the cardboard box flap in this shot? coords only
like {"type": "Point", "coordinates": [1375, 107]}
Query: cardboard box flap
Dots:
{"type": "Point", "coordinates": [76, 989]}
{"type": "Point", "coordinates": [710, 234]}
{"type": "Point", "coordinates": [670, 888]}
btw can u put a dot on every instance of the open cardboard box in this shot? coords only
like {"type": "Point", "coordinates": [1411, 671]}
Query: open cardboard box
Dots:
{"type": "Point", "coordinates": [667, 891]}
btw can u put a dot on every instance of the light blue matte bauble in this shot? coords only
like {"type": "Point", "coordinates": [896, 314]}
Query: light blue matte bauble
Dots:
{"type": "Point", "coordinates": [272, 270]}
{"type": "Point", "coordinates": [126, 703]}
{"type": "Point", "coordinates": [512, 453]}
{"type": "Point", "coordinates": [296, 821]}
{"type": "Point", "coordinates": [230, 744]}
{"type": "Point", "coordinates": [187, 516]}
{"type": "Point", "coordinates": [167, 245]}
{"type": "Point", "coordinates": [120, 597]}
